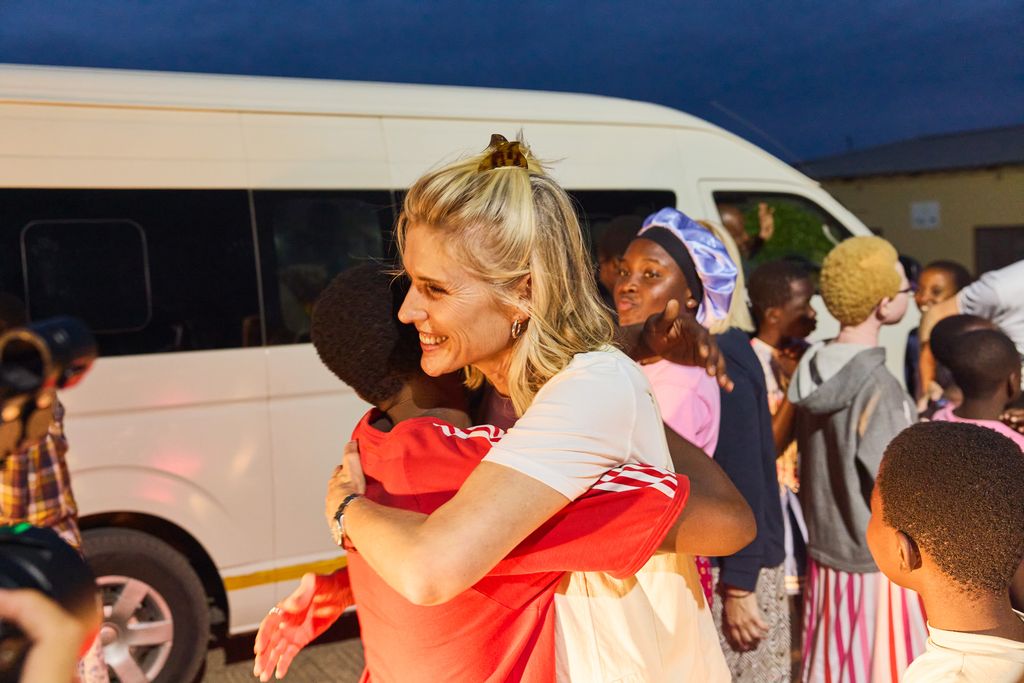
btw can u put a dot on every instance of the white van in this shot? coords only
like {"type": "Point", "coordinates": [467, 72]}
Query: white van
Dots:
{"type": "Point", "coordinates": [191, 220]}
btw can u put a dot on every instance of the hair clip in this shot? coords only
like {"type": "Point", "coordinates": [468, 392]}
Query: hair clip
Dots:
{"type": "Point", "coordinates": [503, 154]}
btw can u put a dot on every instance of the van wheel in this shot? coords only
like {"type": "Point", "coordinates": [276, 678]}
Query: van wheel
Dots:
{"type": "Point", "coordinates": [156, 623]}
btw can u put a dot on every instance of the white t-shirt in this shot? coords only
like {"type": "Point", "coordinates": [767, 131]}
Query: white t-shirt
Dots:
{"type": "Point", "coordinates": [952, 657]}
{"type": "Point", "coordinates": [998, 295]}
{"type": "Point", "coordinates": [655, 627]}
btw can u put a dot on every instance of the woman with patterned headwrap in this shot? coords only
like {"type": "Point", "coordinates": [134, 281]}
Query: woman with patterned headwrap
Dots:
{"type": "Point", "coordinates": [674, 258]}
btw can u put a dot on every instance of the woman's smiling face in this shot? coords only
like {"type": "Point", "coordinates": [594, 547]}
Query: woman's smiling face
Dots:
{"type": "Point", "coordinates": [648, 279]}
{"type": "Point", "coordinates": [459, 319]}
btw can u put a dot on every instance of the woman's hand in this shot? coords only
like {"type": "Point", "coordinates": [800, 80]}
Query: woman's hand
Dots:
{"type": "Point", "coordinates": [347, 478]}
{"type": "Point", "coordinates": [56, 636]}
{"type": "Point", "coordinates": [298, 620]}
{"type": "Point", "coordinates": [742, 622]}
{"type": "Point", "coordinates": [681, 339]}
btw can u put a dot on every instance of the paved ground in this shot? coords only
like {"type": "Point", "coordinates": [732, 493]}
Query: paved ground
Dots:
{"type": "Point", "coordinates": [336, 658]}
{"type": "Point", "coordinates": [339, 662]}
{"type": "Point", "coordinates": [339, 659]}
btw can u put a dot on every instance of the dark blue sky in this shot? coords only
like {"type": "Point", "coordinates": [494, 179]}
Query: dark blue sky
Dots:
{"type": "Point", "coordinates": [808, 78]}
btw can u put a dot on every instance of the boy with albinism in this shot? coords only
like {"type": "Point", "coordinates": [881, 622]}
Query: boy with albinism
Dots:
{"type": "Point", "coordinates": [858, 626]}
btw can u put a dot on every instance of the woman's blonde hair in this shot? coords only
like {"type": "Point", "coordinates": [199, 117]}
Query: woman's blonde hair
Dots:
{"type": "Point", "coordinates": [503, 219]}
{"type": "Point", "coordinates": [739, 307]}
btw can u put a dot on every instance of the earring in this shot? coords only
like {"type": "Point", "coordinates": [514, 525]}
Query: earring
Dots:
{"type": "Point", "coordinates": [517, 328]}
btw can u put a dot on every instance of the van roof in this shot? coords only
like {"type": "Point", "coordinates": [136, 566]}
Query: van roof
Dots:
{"type": "Point", "coordinates": [117, 87]}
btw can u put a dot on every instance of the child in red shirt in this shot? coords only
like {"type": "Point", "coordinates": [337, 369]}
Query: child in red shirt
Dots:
{"type": "Point", "coordinates": [417, 448]}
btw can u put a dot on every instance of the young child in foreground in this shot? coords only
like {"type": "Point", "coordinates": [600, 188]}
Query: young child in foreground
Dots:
{"type": "Point", "coordinates": [948, 522]}
{"type": "Point", "coordinates": [986, 367]}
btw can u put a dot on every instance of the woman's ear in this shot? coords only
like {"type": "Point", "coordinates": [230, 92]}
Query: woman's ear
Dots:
{"type": "Point", "coordinates": [523, 291]}
{"type": "Point", "coordinates": [524, 287]}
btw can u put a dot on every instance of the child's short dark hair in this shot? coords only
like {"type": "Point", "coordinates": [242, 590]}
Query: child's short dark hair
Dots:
{"type": "Point", "coordinates": [961, 276]}
{"type": "Point", "coordinates": [358, 336]}
{"type": "Point", "coordinates": [981, 361]}
{"type": "Point", "coordinates": [957, 489]}
{"type": "Point", "coordinates": [769, 284]}
{"type": "Point", "coordinates": [948, 329]}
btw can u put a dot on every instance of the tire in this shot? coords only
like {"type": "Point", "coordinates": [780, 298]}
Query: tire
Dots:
{"type": "Point", "coordinates": [156, 622]}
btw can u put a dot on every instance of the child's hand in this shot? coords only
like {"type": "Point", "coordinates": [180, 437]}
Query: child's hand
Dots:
{"type": "Point", "coordinates": [298, 619]}
{"type": "Point", "coordinates": [681, 339]}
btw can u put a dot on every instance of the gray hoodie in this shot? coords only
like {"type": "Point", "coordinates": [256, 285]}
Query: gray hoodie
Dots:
{"type": "Point", "coordinates": [849, 406]}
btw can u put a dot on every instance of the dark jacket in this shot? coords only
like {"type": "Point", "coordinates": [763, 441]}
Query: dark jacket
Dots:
{"type": "Point", "coordinates": [746, 451]}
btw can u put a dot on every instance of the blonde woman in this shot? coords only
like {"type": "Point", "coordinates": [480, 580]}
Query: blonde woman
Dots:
{"type": "Point", "coordinates": [502, 287]}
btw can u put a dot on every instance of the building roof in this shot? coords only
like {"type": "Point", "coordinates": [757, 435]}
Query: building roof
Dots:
{"type": "Point", "coordinates": [934, 153]}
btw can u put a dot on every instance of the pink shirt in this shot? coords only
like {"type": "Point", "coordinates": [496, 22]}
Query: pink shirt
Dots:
{"type": "Point", "coordinates": [946, 414]}
{"type": "Point", "coordinates": [689, 401]}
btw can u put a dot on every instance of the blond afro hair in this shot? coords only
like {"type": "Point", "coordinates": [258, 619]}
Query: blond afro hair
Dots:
{"type": "Point", "coordinates": [856, 275]}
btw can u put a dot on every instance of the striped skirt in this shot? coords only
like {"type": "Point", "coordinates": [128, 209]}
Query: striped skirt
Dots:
{"type": "Point", "coordinates": [858, 628]}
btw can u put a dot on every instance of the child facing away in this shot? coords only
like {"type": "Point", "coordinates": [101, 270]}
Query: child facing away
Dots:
{"type": "Point", "coordinates": [858, 626]}
{"type": "Point", "coordinates": [947, 521]}
{"type": "Point", "coordinates": [985, 366]}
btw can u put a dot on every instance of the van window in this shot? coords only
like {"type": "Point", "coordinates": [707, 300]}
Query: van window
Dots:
{"type": "Point", "coordinates": [599, 209]}
{"type": "Point", "coordinates": [94, 253]}
{"type": "Point", "coordinates": [95, 270]}
{"type": "Point", "coordinates": [308, 237]}
{"type": "Point", "coordinates": [803, 230]}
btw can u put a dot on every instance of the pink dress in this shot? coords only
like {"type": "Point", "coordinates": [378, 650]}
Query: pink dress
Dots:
{"type": "Point", "coordinates": [946, 414]}
{"type": "Point", "coordinates": [692, 407]}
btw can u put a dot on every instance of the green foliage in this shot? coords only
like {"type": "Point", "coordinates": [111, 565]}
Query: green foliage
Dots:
{"type": "Point", "coordinates": [798, 232]}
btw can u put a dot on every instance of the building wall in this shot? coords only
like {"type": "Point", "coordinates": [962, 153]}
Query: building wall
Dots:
{"type": "Point", "coordinates": [967, 200]}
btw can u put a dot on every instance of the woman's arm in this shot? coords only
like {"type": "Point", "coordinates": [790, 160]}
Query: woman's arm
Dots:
{"type": "Point", "coordinates": [431, 559]}
{"type": "Point", "coordinates": [716, 520]}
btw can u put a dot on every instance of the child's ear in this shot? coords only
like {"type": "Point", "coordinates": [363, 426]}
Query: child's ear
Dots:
{"type": "Point", "coordinates": [691, 304]}
{"type": "Point", "coordinates": [1013, 389]}
{"type": "Point", "coordinates": [910, 556]}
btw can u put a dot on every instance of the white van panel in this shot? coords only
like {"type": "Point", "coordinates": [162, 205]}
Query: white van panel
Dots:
{"type": "Point", "coordinates": [166, 380]}
{"type": "Point", "coordinates": [205, 468]}
{"type": "Point", "coordinates": [590, 156]}
{"type": "Point", "coordinates": [310, 152]}
{"type": "Point", "coordinates": [92, 147]}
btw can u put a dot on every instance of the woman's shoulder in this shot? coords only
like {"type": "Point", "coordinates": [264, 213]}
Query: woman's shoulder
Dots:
{"type": "Point", "coordinates": [603, 373]}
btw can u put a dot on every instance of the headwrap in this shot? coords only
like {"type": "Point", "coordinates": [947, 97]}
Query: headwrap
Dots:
{"type": "Point", "coordinates": [710, 273]}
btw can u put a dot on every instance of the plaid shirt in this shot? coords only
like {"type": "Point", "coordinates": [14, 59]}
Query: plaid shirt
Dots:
{"type": "Point", "coordinates": [35, 486]}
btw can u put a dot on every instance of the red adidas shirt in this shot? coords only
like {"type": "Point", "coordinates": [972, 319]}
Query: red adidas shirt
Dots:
{"type": "Point", "coordinates": [501, 629]}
